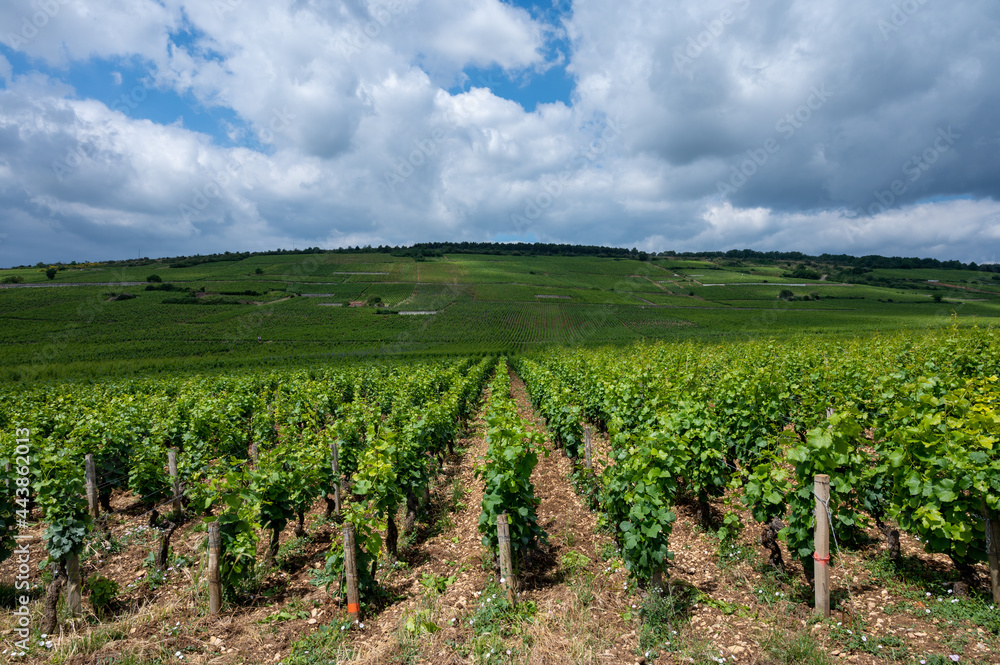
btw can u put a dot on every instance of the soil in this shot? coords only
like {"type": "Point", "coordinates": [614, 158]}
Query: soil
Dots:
{"type": "Point", "coordinates": [587, 615]}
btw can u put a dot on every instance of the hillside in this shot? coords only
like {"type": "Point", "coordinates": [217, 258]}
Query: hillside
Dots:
{"type": "Point", "coordinates": [300, 308]}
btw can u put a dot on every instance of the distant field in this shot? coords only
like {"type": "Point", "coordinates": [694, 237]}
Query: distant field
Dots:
{"type": "Point", "coordinates": [483, 303]}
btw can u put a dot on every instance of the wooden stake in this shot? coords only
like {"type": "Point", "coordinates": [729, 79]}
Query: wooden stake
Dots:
{"type": "Point", "coordinates": [175, 478]}
{"type": "Point", "coordinates": [214, 578]}
{"type": "Point", "coordinates": [253, 453]}
{"type": "Point", "coordinates": [73, 596]}
{"type": "Point", "coordinates": [90, 474]}
{"type": "Point", "coordinates": [506, 569]}
{"type": "Point", "coordinates": [821, 559]}
{"type": "Point", "coordinates": [335, 465]}
{"type": "Point", "coordinates": [586, 447]}
{"type": "Point", "coordinates": [351, 572]}
{"type": "Point", "coordinates": [993, 543]}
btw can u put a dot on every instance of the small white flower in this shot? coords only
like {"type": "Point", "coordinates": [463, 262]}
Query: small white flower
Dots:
{"type": "Point", "coordinates": [864, 638]}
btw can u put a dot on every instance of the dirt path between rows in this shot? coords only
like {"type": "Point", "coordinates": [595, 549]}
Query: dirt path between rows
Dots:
{"type": "Point", "coordinates": [457, 551]}
{"type": "Point", "coordinates": [580, 618]}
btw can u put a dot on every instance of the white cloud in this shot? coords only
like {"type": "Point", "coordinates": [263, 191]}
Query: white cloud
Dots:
{"type": "Point", "coordinates": [364, 143]}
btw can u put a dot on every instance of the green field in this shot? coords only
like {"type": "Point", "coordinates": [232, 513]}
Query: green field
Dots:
{"type": "Point", "coordinates": [293, 308]}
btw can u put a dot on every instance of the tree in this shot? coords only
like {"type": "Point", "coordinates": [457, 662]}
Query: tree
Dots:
{"type": "Point", "coordinates": [937, 297]}
{"type": "Point", "coordinates": [154, 278]}
{"type": "Point", "coordinates": [51, 273]}
{"type": "Point", "coordinates": [786, 294]}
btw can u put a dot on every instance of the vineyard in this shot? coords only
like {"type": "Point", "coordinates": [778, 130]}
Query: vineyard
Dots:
{"type": "Point", "coordinates": [300, 310]}
{"type": "Point", "coordinates": [552, 506]}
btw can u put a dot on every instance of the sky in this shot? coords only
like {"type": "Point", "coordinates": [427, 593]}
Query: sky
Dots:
{"type": "Point", "coordinates": [172, 127]}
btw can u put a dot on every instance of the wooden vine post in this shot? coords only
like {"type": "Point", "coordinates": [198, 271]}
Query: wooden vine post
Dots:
{"type": "Point", "coordinates": [90, 475]}
{"type": "Point", "coordinates": [335, 465]}
{"type": "Point", "coordinates": [175, 479]}
{"type": "Point", "coordinates": [351, 573]}
{"type": "Point", "coordinates": [586, 447]}
{"type": "Point", "coordinates": [506, 568]}
{"type": "Point", "coordinates": [821, 558]}
{"type": "Point", "coordinates": [214, 578]}
{"type": "Point", "coordinates": [993, 550]}
{"type": "Point", "coordinates": [73, 584]}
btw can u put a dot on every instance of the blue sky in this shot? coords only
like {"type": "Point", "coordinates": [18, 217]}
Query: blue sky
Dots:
{"type": "Point", "coordinates": [186, 127]}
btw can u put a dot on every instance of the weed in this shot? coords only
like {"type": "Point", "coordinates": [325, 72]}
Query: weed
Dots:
{"type": "Point", "coordinates": [102, 592]}
{"type": "Point", "coordinates": [787, 648]}
{"type": "Point", "coordinates": [927, 594]}
{"type": "Point", "coordinates": [436, 583]}
{"type": "Point", "coordinates": [856, 639]}
{"type": "Point", "coordinates": [324, 646]}
{"type": "Point", "coordinates": [609, 551]}
{"type": "Point", "coordinates": [661, 613]}
{"type": "Point", "coordinates": [730, 554]}
{"type": "Point", "coordinates": [497, 625]}
{"type": "Point", "coordinates": [458, 493]}
{"type": "Point", "coordinates": [574, 562]}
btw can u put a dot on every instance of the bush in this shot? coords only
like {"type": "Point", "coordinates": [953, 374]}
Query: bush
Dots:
{"type": "Point", "coordinates": [154, 278]}
{"type": "Point", "coordinates": [102, 592]}
{"type": "Point", "coordinates": [13, 279]}
{"type": "Point", "coordinates": [51, 273]}
{"type": "Point", "coordinates": [167, 286]}
{"type": "Point", "coordinates": [786, 294]}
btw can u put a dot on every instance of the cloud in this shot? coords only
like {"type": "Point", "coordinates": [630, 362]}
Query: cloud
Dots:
{"type": "Point", "coordinates": [695, 125]}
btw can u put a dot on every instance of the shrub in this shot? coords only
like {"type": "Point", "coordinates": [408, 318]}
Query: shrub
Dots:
{"type": "Point", "coordinates": [154, 278]}
{"type": "Point", "coordinates": [102, 592]}
{"type": "Point", "coordinates": [13, 279]}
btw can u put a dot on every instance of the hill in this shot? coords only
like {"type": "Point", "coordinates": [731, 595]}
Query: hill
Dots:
{"type": "Point", "coordinates": [433, 298]}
